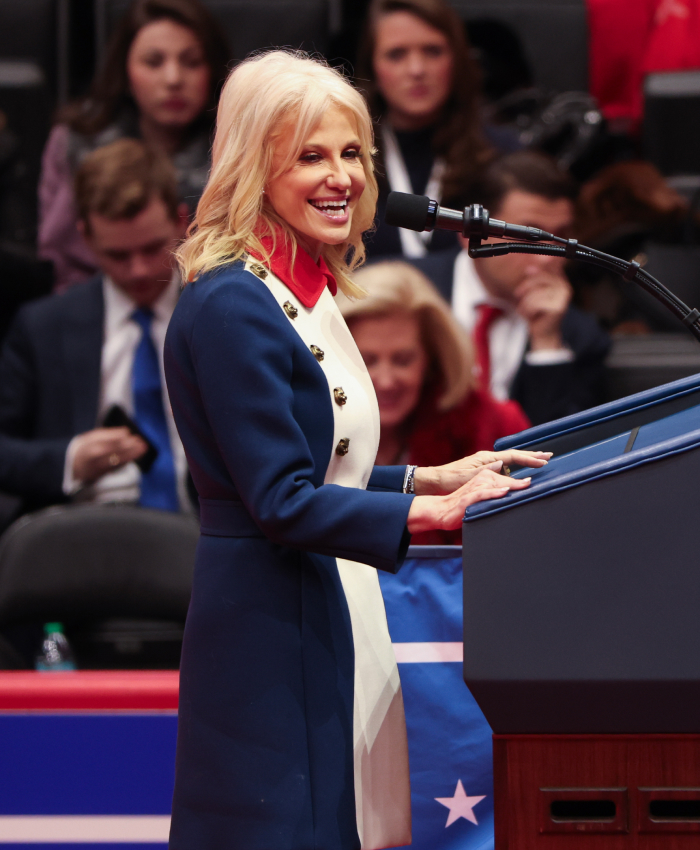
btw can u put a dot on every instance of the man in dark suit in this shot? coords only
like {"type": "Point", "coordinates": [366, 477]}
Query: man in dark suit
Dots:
{"type": "Point", "coordinates": [531, 344]}
{"type": "Point", "coordinates": [69, 359]}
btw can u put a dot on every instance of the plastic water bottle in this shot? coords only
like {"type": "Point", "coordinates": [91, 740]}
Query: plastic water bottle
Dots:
{"type": "Point", "coordinates": [56, 653]}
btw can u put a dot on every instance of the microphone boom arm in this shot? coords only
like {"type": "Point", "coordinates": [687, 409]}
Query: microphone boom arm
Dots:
{"type": "Point", "coordinates": [572, 250]}
{"type": "Point", "coordinates": [420, 213]}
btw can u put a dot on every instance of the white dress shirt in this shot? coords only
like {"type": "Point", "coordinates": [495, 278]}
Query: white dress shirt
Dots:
{"type": "Point", "coordinates": [120, 341]}
{"type": "Point", "coordinates": [508, 335]}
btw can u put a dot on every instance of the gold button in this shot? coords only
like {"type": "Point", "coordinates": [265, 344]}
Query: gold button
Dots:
{"type": "Point", "coordinates": [259, 270]}
{"type": "Point", "coordinates": [290, 309]}
{"type": "Point", "coordinates": [339, 396]}
{"type": "Point", "coordinates": [317, 352]}
{"type": "Point", "coordinates": [343, 446]}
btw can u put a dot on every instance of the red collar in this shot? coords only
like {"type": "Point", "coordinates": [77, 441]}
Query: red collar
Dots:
{"type": "Point", "coordinates": [306, 280]}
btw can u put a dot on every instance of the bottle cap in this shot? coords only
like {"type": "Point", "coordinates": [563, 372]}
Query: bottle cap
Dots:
{"type": "Point", "coordinates": [53, 627]}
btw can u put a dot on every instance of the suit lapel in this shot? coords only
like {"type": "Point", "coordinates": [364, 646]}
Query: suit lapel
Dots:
{"type": "Point", "coordinates": [83, 332]}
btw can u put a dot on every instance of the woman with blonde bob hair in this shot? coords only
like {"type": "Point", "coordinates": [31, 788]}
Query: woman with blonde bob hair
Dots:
{"type": "Point", "coordinates": [421, 363]}
{"type": "Point", "coordinates": [291, 732]}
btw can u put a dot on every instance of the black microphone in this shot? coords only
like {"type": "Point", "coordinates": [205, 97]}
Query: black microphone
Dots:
{"type": "Point", "coordinates": [419, 212]}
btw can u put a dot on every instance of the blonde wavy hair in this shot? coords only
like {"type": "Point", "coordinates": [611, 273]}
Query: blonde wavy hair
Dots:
{"type": "Point", "coordinates": [398, 287]}
{"type": "Point", "coordinates": [264, 99]}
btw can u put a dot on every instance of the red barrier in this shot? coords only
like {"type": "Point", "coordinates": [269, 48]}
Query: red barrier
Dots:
{"type": "Point", "coordinates": [98, 690]}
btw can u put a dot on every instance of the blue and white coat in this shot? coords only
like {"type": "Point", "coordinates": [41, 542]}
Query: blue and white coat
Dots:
{"type": "Point", "coordinates": [291, 728]}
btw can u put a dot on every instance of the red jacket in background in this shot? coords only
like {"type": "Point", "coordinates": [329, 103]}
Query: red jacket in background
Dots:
{"type": "Point", "coordinates": [631, 38]}
{"type": "Point", "coordinates": [619, 32]}
{"type": "Point", "coordinates": [674, 42]}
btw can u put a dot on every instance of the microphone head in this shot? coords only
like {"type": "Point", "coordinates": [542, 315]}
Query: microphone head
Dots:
{"type": "Point", "coordinates": [409, 211]}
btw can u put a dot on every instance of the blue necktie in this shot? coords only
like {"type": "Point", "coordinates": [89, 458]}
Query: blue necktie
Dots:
{"type": "Point", "coordinates": [158, 485]}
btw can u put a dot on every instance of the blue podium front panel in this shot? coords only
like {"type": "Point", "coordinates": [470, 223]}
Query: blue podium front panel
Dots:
{"type": "Point", "coordinates": [584, 589]}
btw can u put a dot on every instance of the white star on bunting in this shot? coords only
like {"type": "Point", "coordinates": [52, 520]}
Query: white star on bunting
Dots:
{"type": "Point", "coordinates": [460, 805]}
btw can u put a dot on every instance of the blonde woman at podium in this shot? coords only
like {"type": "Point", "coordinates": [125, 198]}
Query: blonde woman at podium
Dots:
{"type": "Point", "coordinates": [291, 731]}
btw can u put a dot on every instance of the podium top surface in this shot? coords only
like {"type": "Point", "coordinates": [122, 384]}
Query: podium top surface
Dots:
{"type": "Point", "coordinates": [646, 443]}
{"type": "Point", "coordinates": [605, 412]}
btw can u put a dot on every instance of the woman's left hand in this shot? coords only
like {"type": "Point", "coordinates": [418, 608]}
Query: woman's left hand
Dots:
{"type": "Point", "coordinates": [441, 480]}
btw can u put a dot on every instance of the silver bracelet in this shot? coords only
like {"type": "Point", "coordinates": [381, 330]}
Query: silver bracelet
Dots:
{"type": "Point", "coordinates": [409, 480]}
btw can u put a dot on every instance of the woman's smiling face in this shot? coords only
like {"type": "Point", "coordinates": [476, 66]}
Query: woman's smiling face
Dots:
{"type": "Point", "coordinates": [317, 194]}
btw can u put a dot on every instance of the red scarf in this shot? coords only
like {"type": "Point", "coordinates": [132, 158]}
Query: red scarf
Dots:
{"type": "Point", "coordinates": [306, 279]}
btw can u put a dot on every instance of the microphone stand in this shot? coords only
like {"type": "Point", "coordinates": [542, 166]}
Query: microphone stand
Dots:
{"type": "Point", "coordinates": [572, 250]}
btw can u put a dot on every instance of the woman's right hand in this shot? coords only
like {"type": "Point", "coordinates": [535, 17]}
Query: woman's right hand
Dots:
{"type": "Point", "coordinates": [428, 513]}
{"type": "Point", "coordinates": [441, 480]}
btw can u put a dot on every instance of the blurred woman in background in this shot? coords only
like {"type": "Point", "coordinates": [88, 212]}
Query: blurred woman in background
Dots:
{"type": "Point", "coordinates": [424, 92]}
{"type": "Point", "coordinates": [431, 411]}
{"type": "Point", "coordinates": [159, 82]}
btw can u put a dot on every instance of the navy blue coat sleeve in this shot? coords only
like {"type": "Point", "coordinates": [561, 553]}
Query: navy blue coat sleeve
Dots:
{"type": "Point", "coordinates": [387, 478]}
{"type": "Point", "coordinates": [243, 355]}
{"type": "Point", "coordinates": [30, 466]}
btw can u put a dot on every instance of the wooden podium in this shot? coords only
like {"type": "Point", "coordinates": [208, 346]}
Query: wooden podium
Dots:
{"type": "Point", "coordinates": [582, 630]}
{"type": "Point", "coordinates": [598, 792]}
